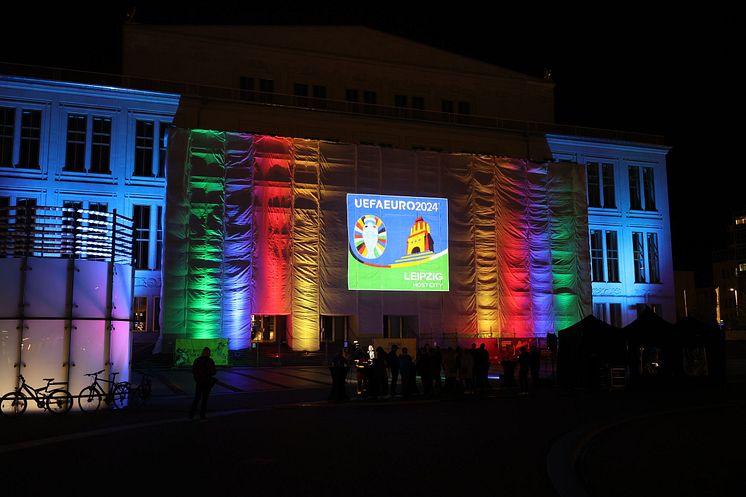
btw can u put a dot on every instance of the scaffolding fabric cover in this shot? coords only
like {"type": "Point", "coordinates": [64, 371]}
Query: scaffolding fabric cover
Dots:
{"type": "Point", "coordinates": [257, 225]}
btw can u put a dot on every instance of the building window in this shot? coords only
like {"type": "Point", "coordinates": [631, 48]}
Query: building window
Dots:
{"type": "Point", "coordinates": [446, 106]}
{"type": "Point", "coordinates": [163, 147]}
{"type": "Point", "coordinates": [266, 90]}
{"type": "Point", "coordinates": [608, 313]}
{"type": "Point", "coordinates": [319, 91]}
{"type": "Point", "coordinates": [144, 148]}
{"type": "Point", "coordinates": [645, 250]}
{"type": "Point", "coordinates": [369, 98]}
{"type": "Point", "coordinates": [653, 258]}
{"type": "Point", "coordinates": [649, 188]}
{"type": "Point", "coordinates": [300, 90]}
{"type": "Point", "coordinates": [300, 93]}
{"type": "Point", "coordinates": [76, 138]}
{"type": "Point", "coordinates": [7, 131]}
{"type": "Point", "coordinates": [615, 315]}
{"type": "Point", "coordinates": [638, 254]}
{"type": "Point", "coordinates": [464, 108]}
{"type": "Point", "coordinates": [159, 238]}
{"type": "Point", "coordinates": [101, 145]}
{"type": "Point", "coordinates": [140, 314]}
{"type": "Point", "coordinates": [600, 181]}
{"type": "Point", "coordinates": [612, 257]}
{"type": "Point", "coordinates": [30, 139]}
{"type": "Point", "coordinates": [604, 243]}
{"type": "Point", "coordinates": [418, 104]}
{"type": "Point", "coordinates": [594, 185]}
{"type": "Point", "coordinates": [597, 256]}
{"type": "Point", "coordinates": [102, 207]}
{"type": "Point", "coordinates": [319, 96]}
{"type": "Point", "coordinates": [246, 88]}
{"type": "Point", "coordinates": [352, 97]}
{"type": "Point", "coordinates": [334, 328]}
{"type": "Point", "coordinates": [141, 248]}
{"type": "Point", "coordinates": [267, 328]}
{"type": "Point", "coordinates": [607, 171]}
{"type": "Point", "coordinates": [599, 311]}
{"type": "Point", "coordinates": [642, 188]}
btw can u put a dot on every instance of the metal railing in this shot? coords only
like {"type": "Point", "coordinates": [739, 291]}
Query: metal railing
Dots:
{"type": "Point", "coordinates": [65, 232]}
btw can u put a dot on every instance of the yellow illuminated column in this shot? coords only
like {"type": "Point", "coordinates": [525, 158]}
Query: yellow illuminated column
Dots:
{"type": "Point", "coordinates": [304, 333]}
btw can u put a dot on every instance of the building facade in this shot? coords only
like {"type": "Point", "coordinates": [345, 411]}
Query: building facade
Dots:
{"type": "Point", "coordinates": [729, 275]}
{"type": "Point", "coordinates": [337, 85]}
{"type": "Point", "coordinates": [91, 147]}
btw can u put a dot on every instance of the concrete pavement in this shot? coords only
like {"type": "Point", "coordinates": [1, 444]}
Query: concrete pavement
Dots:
{"type": "Point", "coordinates": [600, 443]}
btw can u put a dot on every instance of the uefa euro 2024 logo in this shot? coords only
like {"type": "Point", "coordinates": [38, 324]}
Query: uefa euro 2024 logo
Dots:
{"type": "Point", "coordinates": [370, 236]}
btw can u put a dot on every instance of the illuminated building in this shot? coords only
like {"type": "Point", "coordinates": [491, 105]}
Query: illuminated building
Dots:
{"type": "Point", "coordinates": [729, 271]}
{"type": "Point", "coordinates": [381, 112]}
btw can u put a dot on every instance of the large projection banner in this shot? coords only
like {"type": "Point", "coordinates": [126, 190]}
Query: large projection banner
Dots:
{"type": "Point", "coordinates": [397, 243]}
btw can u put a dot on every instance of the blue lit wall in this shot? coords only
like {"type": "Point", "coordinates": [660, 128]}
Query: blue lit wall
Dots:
{"type": "Point", "coordinates": [51, 184]}
{"type": "Point", "coordinates": [625, 220]}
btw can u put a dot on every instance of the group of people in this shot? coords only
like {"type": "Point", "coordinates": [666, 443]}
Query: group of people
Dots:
{"type": "Point", "coordinates": [380, 373]}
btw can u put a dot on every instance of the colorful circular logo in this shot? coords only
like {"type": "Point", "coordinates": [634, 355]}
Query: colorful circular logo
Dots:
{"type": "Point", "coordinates": [370, 236]}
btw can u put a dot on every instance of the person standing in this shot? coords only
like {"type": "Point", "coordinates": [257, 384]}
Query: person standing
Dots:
{"type": "Point", "coordinates": [535, 364]}
{"type": "Point", "coordinates": [524, 363]}
{"type": "Point", "coordinates": [203, 370]}
{"type": "Point", "coordinates": [393, 362]}
{"type": "Point", "coordinates": [406, 368]}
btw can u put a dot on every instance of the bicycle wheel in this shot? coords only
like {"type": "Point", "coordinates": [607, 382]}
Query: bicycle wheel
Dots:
{"type": "Point", "coordinates": [89, 399]}
{"type": "Point", "coordinates": [59, 401]}
{"type": "Point", "coordinates": [13, 404]}
{"type": "Point", "coordinates": [120, 394]}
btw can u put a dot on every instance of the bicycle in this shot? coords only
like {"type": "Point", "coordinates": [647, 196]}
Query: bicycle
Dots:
{"type": "Point", "coordinates": [91, 396]}
{"type": "Point", "coordinates": [57, 401]}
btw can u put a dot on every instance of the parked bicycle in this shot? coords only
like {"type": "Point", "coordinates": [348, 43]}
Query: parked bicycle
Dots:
{"type": "Point", "coordinates": [91, 396]}
{"type": "Point", "coordinates": [56, 401]}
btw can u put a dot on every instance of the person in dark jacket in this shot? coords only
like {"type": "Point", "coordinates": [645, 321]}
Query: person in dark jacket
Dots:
{"type": "Point", "coordinates": [406, 367]}
{"type": "Point", "coordinates": [524, 363]}
{"type": "Point", "coordinates": [204, 372]}
{"type": "Point", "coordinates": [393, 363]}
{"type": "Point", "coordinates": [535, 364]}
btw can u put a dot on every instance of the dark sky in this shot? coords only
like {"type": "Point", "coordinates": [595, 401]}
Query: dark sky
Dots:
{"type": "Point", "coordinates": [670, 73]}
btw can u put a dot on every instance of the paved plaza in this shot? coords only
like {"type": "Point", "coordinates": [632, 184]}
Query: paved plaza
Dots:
{"type": "Point", "coordinates": [272, 431]}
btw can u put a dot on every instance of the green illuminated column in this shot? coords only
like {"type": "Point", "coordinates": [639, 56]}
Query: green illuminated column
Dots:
{"type": "Point", "coordinates": [570, 253]}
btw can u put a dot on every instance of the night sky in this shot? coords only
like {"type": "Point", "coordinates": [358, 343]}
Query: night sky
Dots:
{"type": "Point", "coordinates": [670, 73]}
